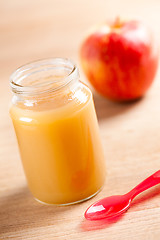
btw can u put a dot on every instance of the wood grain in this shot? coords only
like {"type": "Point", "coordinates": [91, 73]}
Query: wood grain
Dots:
{"type": "Point", "coordinates": [130, 133]}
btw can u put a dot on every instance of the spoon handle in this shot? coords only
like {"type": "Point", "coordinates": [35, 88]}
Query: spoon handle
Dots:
{"type": "Point", "coordinates": [149, 182]}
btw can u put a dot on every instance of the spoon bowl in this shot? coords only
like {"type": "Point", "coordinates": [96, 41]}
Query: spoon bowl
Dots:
{"type": "Point", "coordinates": [108, 207]}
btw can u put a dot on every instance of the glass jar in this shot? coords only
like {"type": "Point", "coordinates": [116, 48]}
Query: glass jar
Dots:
{"type": "Point", "coordinates": [57, 131]}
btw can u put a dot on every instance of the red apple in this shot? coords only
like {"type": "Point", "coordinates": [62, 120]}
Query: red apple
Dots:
{"type": "Point", "coordinates": [120, 59]}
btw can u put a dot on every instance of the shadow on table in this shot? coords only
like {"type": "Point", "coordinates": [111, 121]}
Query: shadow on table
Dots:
{"type": "Point", "coordinates": [108, 109]}
{"type": "Point", "coordinates": [86, 225]}
{"type": "Point", "coordinates": [19, 211]}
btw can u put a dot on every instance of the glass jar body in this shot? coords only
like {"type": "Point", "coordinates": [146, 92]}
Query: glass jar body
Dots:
{"type": "Point", "coordinates": [59, 144]}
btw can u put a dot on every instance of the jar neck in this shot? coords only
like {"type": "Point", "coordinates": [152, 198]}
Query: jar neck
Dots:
{"type": "Point", "coordinates": [45, 77]}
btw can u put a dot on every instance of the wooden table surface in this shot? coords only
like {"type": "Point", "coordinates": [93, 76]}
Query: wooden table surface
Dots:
{"type": "Point", "coordinates": [130, 133]}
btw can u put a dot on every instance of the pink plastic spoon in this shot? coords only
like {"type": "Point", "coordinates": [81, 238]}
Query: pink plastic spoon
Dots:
{"type": "Point", "coordinates": [113, 206]}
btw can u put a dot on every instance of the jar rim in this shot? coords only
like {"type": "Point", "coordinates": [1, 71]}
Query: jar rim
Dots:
{"type": "Point", "coordinates": [42, 65]}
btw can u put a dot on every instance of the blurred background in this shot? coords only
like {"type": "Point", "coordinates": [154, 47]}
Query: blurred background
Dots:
{"type": "Point", "coordinates": [31, 30]}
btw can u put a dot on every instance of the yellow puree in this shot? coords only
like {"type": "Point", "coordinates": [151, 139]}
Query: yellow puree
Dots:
{"type": "Point", "coordinates": [60, 150]}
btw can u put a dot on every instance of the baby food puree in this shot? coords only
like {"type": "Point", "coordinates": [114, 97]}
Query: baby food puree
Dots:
{"type": "Point", "coordinates": [57, 131]}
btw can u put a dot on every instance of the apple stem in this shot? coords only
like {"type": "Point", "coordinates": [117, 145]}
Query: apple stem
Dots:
{"type": "Point", "coordinates": [117, 23]}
